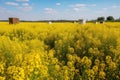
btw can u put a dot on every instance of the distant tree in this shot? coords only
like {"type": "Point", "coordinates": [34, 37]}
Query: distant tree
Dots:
{"type": "Point", "coordinates": [118, 20]}
{"type": "Point", "coordinates": [101, 19]}
{"type": "Point", "coordinates": [110, 18]}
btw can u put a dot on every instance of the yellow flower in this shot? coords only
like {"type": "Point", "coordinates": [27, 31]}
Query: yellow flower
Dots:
{"type": "Point", "coordinates": [69, 57]}
{"type": "Point", "coordinates": [97, 61]}
{"type": "Point", "coordinates": [57, 67]}
{"type": "Point", "coordinates": [90, 50]}
{"type": "Point", "coordinates": [16, 73]}
{"type": "Point", "coordinates": [90, 73]}
{"type": "Point", "coordinates": [54, 60]}
{"type": "Point", "coordinates": [102, 66]}
{"type": "Point", "coordinates": [102, 74]}
{"type": "Point", "coordinates": [66, 72]}
{"type": "Point", "coordinates": [51, 53]}
{"type": "Point", "coordinates": [2, 78]}
{"type": "Point", "coordinates": [2, 65]}
{"type": "Point", "coordinates": [108, 59]}
{"type": "Point", "coordinates": [112, 65]}
{"type": "Point", "coordinates": [70, 64]}
{"type": "Point", "coordinates": [95, 69]}
{"type": "Point", "coordinates": [86, 62]}
{"type": "Point", "coordinates": [66, 78]}
{"type": "Point", "coordinates": [71, 50]}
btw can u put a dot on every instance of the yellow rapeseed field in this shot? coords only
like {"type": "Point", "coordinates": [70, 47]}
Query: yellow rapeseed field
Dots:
{"type": "Point", "coordinates": [59, 51]}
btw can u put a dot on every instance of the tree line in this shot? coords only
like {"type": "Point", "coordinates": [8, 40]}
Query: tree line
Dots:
{"type": "Point", "coordinates": [109, 18]}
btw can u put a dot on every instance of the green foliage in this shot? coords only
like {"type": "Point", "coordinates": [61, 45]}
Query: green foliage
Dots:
{"type": "Point", "coordinates": [100, 19]}
{"type": "Point", "coordinates": [110, 18]}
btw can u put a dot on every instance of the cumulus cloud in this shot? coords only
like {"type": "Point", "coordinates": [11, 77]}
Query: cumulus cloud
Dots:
{"type": "Point", "coordinates": [58, 4]}
{"type": "Point", "coordinates": [2, 8]}
{"type": "Point", "coordinates": [93, 5]}
{"type": "Point", "coordinates": [50, 11]}
{"type": "Point", "coordinates": [12, 4]}
{"type": "Point", "coordinates": [104, 9]}
{"type": "Point", "coordinates": [6, 13]}
{"type": "Point", "coordinates": [82, 7]}
{"type": "Point", "coordinates": [22, 7]}
{"type": "Point", "coordinates": [115, 6]}
{"type": "Point", "coordinates": [79, 5]}
{"type": "Point", "coordinates": [25, 4]}
{"type": "Point", "coordinates": [76, 9]}
{"type": "Point", "coordinates": [25, 8]}
{"type": "Point", "coordinates": [22, 0]}
{"type": "Point", "coordinates": [23, 15]}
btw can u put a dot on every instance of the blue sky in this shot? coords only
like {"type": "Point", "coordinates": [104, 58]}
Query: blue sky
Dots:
{"type": "Point", "coordinates": [58, 9]}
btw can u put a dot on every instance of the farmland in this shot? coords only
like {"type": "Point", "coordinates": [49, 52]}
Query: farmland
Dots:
{"type": "Point", "coordinates": [59, 51]}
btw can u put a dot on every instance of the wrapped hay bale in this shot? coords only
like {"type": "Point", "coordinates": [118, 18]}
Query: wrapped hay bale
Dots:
{"type": "Point", "coordinates": [13, 20]}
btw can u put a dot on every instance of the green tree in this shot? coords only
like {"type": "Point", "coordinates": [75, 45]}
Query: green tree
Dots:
{"type": "Point", "coordinates": [101, 19]}
{"type": "Point", "coordinates": [110, 18]}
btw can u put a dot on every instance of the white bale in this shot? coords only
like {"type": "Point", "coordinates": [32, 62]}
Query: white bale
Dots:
{"type": "Point", "coordinates": [74, 22]}
{"type": "Point", "coordinates": [49, 22]}
{"type": "Point", "coordinates": [81, 21]}
{"type": "Point", "coordinates": [96, 22]}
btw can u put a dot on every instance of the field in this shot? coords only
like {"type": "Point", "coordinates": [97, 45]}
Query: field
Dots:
{"type": "Point", "coordinates": [59, 51]}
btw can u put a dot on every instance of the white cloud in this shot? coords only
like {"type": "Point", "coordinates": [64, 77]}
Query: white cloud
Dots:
{"type": "Point", "coordinates": [22, 0]}
{"type": "Point", "coordinates": [115, 6]}
{"type": "Point", "coordinates": [2, 8]}
{"type": "Point", "coordinates": [12, 4]}
{"type": "Point", "coordinates": [76, 9]}
{"type": "Point", "coordinates": [79, 5]}
{"type": "Point", "coordinates": [21, 15]}
{"type": "Point", "coordinates": [58, 4]}
{"type": "Point", "coordinates": [50, 11]}
{"type": "Point", "coordinates": [25, 8]}
{"type": "Point", "coordinates": [25, 4]}
{"type": "Point", "coordinates": [82, 7]}
{"type": "Point", "coordinates": [22, 7]}
{"type": "Point", "coordinates": [28, 8]}
{"type": "Point", "coordinates": [93, 5]}
{"type": "Point", "coordinates": [104, 9]}
{"type": "Point", "coordinates": [101, 12]}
